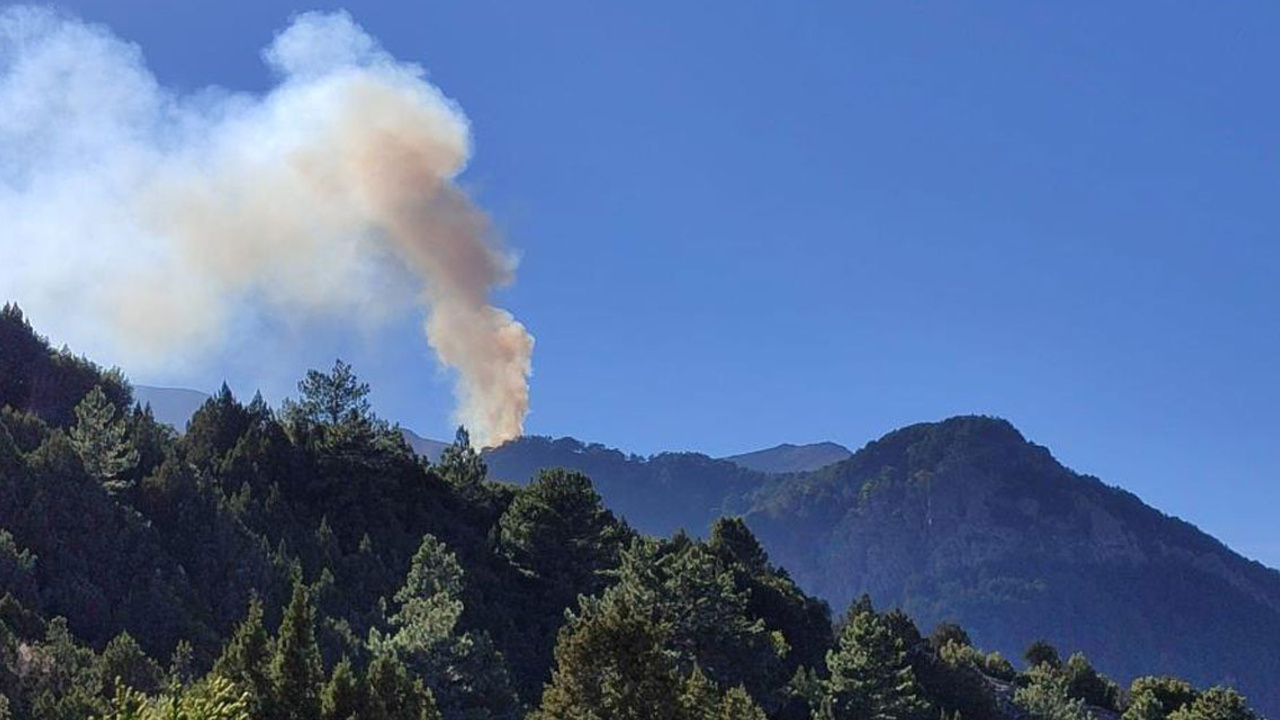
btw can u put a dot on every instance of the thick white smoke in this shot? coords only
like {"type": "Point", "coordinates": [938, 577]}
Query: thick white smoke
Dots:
{"type": "Point", "coordinates": [145, 220]}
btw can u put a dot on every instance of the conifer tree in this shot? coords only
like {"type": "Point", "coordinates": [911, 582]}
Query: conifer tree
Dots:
{"type": "Point", "coordinates": [124, 661]}
{"type": "Point", "coordinates": [393, 695]}
{"type": "Point", "coordinates": [461, 464]}
{"type": "Point", "coordinates": [1217, 703]}
{"type": "Point", "coordinates": [1155, 698]}
{"type": "Point", "coordinates": [246, 657]}
{"type": "Point", "coordinates": [467, 675]}
{"type": "Point", "coordinates": [101, 440]}
{"type": "Point", "coordinates": [296, 672]}
{"type": "Point", "coordinates": [739, 705]}
{"type": "Point", "coordinates": [700, 699]}
{"type": "Point", "coordinates": [611, 664]}
{"type": "Point", "coordinates": [870, 674]}
{"type": "Point", "coordinates": [343, 696]}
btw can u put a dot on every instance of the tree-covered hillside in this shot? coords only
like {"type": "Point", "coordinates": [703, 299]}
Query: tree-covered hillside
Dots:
{"type": "Point", "coordinates": [303, 563]}
{"type": "Point", "coordinates": [659, 494]}
{"type": "Point", "coordinates": [965, 520]}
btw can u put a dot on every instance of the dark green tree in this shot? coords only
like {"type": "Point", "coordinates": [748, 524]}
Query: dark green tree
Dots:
{"type": "Point", "coordinates": [246, 658]}
{"type": "Point", "coordinates": [948, 632]}
{"type": "Point", "coordinates": [461, 464]}
{"type": "Point", "coordinates": [295, 670]}
{"type": "Point", "coordinates": [343, 696]}
{"type": "Point", "coordinates": [1087, 684]}
{"type": "Point", "coordinates": [558, 530]}
{"type": "Point", "coordinates": [1041, 652]}
{"type": "Point", "coordinates": [1217, 703]}
{"type": "Point", "coordinates": [611, 665]}
{"type": "Point", "coordinates": [123, 661]}
{"type": "Point", "coordinates": [334, 398]}
{"type": "Point", "coordinates": [1155, 698]}
{"type": "Point", "coordinates": [739, 705]}
{"type": "Point", "coordinates": [101, 439]}
{"type": "Point", "coordinates": [699, 697]}
{"type": "Point", "coordinates": [869, 673]}
{"type": "Point", "coordinates": [465, 673]}
{"type": "Point", "coordinates": [393, 695]}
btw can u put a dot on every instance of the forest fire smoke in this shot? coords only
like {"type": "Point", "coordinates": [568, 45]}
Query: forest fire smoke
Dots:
{"type": "Point", "coordinates": [146, 220]}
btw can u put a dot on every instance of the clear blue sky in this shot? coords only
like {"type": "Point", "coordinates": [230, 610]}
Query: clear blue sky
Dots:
{"type": "Point", "coordinates": [744, 223]}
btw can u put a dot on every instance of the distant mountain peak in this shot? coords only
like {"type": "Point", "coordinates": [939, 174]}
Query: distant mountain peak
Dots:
{"type": "Point", "coordinates": [171, 406]}
{"type": "Point", "coordinates": [790, 458]}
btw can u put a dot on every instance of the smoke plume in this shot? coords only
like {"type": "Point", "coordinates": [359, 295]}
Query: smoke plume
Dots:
{"type": "Point", "coordinates": [147, 221]}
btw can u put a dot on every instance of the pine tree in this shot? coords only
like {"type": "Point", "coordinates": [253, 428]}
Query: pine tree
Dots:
{"type": "Point", "coordinates": [1155, 698]}
{"type": "Point", "coordinates": [343, 696]}
{"type": "Point", "coordinates": [870, 675]}
{"type": "Point", "coordinates": [246, 657]}
{"type": "Point", "coordinates": [1217, 703]}
{"type": "Point", "coordinates": [295, 670]}
{"type": "Point", "coordinates": [466, 674]}
{"type": "Point", "coordinates": [393, 695]}
{"type": "Point", "coordinates": [700, 698]}
{"type": "Point", "coordinates": [429, 601]}
{"type": "Point", "coordinates": [461, 465]}
{"type": "Point", "coordinates": [611, 665]}
{"type": "Point", "coordinates": [739, 705]}
{"type": "Point", "coordinates": [101, 440]}
{"type": "Point", "coordinates": [124, 661]}
{"type": "Point", "coordinates": [334, 398]}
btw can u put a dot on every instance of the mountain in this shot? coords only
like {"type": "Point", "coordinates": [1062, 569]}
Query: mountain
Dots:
{"type": "Point", "coordinates": [788, 458]}
{"type": "Point", "coordinates": [171, 406]}
{"type": "Point", "coordinates": [426, 447]}
{"type": "Point", "coordinates": [323, 518]}
{"type": "Point", "coordinates": [965, 520]}
{"type": "Point", "coordinates": [657, 495]}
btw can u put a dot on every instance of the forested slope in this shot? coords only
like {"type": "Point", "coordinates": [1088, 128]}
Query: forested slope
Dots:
{"type": "Point", "coordinates": [304, 563]}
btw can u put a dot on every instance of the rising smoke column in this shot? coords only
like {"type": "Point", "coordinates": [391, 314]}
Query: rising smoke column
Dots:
{"type": "Point", "coordinates": [147, 221]}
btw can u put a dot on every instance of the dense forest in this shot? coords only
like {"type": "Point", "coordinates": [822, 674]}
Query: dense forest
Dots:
{"type": "Point", "coordinates": [302, 562]}
{"type": "Point", "coordinates": [964, 520]}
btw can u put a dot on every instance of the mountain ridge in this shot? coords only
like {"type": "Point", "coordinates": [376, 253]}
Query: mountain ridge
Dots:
{"type": "Point", "coordinates": [789, 458]}
{"type": "Point", "coordinates": [958, 520]}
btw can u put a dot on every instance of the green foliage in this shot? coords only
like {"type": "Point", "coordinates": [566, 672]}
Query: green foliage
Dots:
{"type": "Point", "coordinates": [1047, 695]}
{"type": "Point", "coordinates": [335, 398]}
{"type": "Point", "coordinates": [1041, 652]}
{"type": "Point", "coordinates": [467, 676]}
{"type": "Point", "coordinates": [946, 633]}
{"type": "Point", "coordinates": [952, 677]}
{"type": "Point", "coordinates": [699, 696]}
{"type": "Point", "coordinates": [17, 569]}
{"type": "Point", "coordinates": [1155, 698]}
{"type": "Point", "coordinates": [557, 530]}
{"type": "Point", "coordinates": [739, 705]}
{"type": "Point", "coordinates": [246, 658]}
{"type": "Point", "coordinates": [295, 670]}
{"type": "Point", "coordinates": [124, 662]}
{"type": "Point", "coordinates": [611, 665]}
{"type": "Point", "coordinates": [461, 464]}
{"type": "Point", "coordinates": [101, 440]}
{"type": "Point", "coordinates": [869, 674]}
{"type": "Point", "coordinates": [430, 591]}
{"type": "Point", "coordinates": [695, 598]}
{"type": "Point", "coordinates": [343, 696]}
{"type": "Point", "coordinates": [394, 695]}
{"type": "Point", "coordinates": [430, 599]}
{"type": "Point", "coordinates": [215, 699]}
{"type": "Point", "coordinates": [1085, 683]}
{"type": "Point", "coordinates": [1215, 704]}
